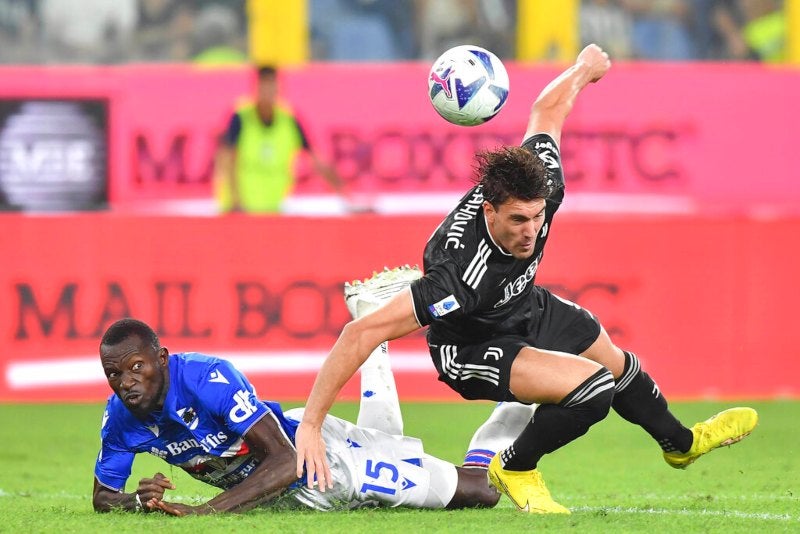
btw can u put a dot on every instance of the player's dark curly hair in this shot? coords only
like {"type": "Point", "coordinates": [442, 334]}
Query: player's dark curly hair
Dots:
{"type": "Point", "coordinates": [124, 328]}
{"type": "Point", "coordinates": [511, 172]}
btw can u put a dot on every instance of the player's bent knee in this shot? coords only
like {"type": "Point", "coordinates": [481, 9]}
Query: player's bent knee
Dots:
{"type": "Point", "coordinates": [592, 399]}
{"type": "Point", "coordinates": [473, 490]}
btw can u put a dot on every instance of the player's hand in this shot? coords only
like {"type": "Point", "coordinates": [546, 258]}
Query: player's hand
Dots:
{"type": "Point", "coordinates": [153, 488]}
{"type": "Point", "coordinates": [177, 509]}
{"type": "Point", "coordinates": [596, 59]}
{"type": "Point", "coordinates": [311, 455]}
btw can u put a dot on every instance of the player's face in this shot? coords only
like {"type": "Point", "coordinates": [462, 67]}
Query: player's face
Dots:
{"type": "Point", "coordinates": [515, 224]}
{"type": "Point", "coordinates": [137, 374]}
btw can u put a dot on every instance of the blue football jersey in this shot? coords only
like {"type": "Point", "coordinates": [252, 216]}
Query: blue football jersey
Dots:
{"type": "Point", "coordinates": [208, 409]}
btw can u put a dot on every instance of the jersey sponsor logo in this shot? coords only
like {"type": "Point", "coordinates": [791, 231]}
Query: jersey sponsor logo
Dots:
{"type": "Point", "coordinates": [218, 377]}
{"type": "Point", "coordinates": [444, 306]}
{"type": "Point", "coordinates": [461, 217]}
{"type": "Point", "coordinates": [207, 444]}
{"type": "Point", "coordinates": [494, 352]}
{"type": "Point", "coordinates": [478, 266]}
{"type": "Point", "coordinates": [517, 286]}
{"type": "Point", "coordinates": [244, 407]}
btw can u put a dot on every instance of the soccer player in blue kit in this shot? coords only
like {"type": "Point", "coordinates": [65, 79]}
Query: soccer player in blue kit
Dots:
{"type": "Point", "coordinates": [201, 414]}
{"type": "Point", "coordinates": [496, 335]}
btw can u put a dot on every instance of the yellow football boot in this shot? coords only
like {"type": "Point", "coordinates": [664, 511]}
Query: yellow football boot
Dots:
{"type": "Point", "coordinates": [526, 489]}
{"type": "Point", "coordinates": [725, 428]}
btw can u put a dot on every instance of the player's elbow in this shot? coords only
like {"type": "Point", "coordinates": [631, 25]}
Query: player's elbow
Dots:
{"type": "Point", "coordinates": [473, 490]}
{"type": "Point", "coordinates": [100, 505]}
{"type": "Point", "coordinates": [101, 498]}
{"type": "Point", "coordinates": [483, 496]}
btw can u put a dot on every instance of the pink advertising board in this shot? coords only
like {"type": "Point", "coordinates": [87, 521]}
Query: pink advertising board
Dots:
{"type": "Point", "coordinates": [685, 138]}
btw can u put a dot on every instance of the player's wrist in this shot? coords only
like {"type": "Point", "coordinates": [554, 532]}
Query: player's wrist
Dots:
{"type": "Point", "coordinates": [311, 421]}
{"type": "Point", "coordinates": [138, 506]}
{"type": "Point", "coordinates": [584, 71]}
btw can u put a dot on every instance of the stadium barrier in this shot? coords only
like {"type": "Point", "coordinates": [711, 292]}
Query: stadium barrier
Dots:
{"type": "Point", "coordinates": [707, 303]}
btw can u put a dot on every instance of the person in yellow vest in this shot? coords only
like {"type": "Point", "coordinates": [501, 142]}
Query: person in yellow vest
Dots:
{"type": "Point", "coordinates": [765, 30]}
{"type": "Point", "coordinates": [255, 160]}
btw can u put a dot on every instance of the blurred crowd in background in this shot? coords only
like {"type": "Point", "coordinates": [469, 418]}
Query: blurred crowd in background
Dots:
{"type": "Point", "coordinates": [216, 31]}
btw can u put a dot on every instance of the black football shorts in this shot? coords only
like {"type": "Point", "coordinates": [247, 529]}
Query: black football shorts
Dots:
{"type": "Point", "coordinates": [483, 370]}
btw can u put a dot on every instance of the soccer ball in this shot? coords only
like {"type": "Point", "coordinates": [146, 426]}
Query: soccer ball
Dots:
{"type": "Point", "coordinates": [468, 85]}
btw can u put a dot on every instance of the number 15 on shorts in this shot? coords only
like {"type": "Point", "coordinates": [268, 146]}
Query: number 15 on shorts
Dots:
{"type": "Point", "coordinates": [374, 470]}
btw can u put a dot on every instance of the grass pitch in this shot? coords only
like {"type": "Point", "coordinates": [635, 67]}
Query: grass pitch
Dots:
{"type": "Point", "coordinates": [613, 479]}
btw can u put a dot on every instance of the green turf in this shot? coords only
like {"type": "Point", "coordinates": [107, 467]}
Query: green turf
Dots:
{"type": "Point", "coordinates": [613, 479]}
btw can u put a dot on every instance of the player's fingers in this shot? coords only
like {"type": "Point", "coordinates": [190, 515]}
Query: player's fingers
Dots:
{"type": "Point", "coordinates": [149, 489]}
{"type": "Point", "coordinates": [328, 476]}
{"type": "Point", "coordinates": [164, 507]}
{"type": "Point", "coordinates": [311, 472]}
{"type": "Point", "coordinates": [152, 504]}
{"type": "Point", "coordinates": [163, 481]}
{"type": "Point", "coordinates": [323, 478]}
{"type": "Point", "coordinates": [301, 463]}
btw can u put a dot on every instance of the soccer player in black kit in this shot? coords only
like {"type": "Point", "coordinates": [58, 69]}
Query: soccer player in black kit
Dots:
{"type": "Point", "coordinates": [496, 335]}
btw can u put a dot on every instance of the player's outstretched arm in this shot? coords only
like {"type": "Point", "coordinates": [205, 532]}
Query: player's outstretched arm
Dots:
{"type": "Point", "coordinates": [357, 340]}
{"type": "Point", "coordinates": [554, 103]}
{"type": "Point", "coordinates": [270, 478]}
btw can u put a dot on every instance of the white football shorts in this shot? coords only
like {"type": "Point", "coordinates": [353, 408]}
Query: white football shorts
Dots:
{"type": "Point", "coordinates": [370, 467]}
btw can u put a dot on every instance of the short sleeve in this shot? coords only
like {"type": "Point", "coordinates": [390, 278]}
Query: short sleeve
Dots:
{"type": "Point", "coordinates": [544, 146]}
{"type": "Point", "coordinates": [440, 293]}
{"type": "Point", "coordinates": [113, 465]}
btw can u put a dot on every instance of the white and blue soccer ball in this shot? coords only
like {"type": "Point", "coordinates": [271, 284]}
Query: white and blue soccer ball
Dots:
{"type": "Point", "coordinates": [468, 85]}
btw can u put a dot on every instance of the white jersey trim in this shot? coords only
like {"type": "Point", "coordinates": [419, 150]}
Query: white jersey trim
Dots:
{"type": "Point", "coordinates": [478, 266]}
{"type": "Point", "coordinates": [414, 308]}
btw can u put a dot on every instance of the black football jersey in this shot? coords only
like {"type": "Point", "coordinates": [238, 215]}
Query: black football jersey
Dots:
{"type": "Point", "coordinates": [473, 289]}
